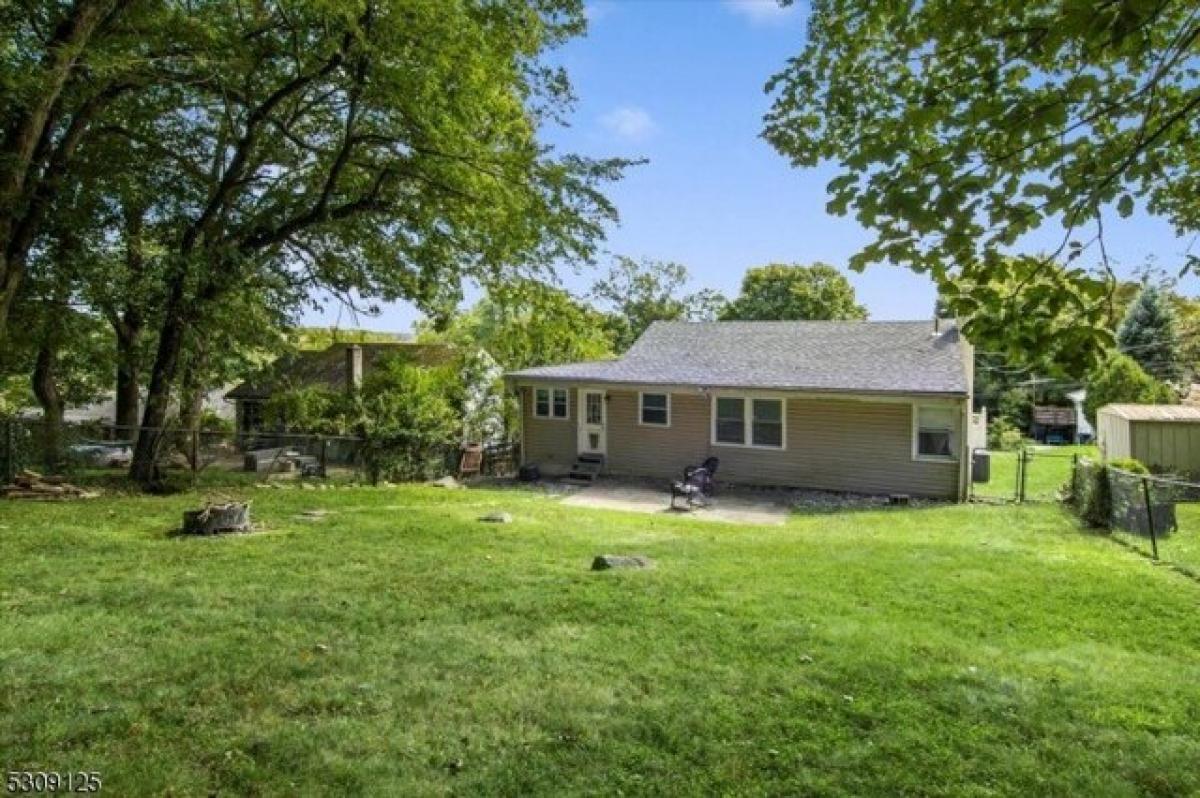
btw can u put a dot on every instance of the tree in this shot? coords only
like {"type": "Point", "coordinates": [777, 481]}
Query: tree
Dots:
{"type": "Point", "coordinates": [783, 292]}
{"type": "Point", "coordinates": [638, 293]}
{"type": "Point", "coordinates": [1148, 335]}
{"type": "Point", "coordinates": [1034, 315]}
{"type": "Point", "coordinates": [63, 68]}
{"type": "Point", "coordinates": [386, 149]}
{"type": "Point", "coordinates": [960, 127]}
{"type": "Point", "coordinates": [1120, 379]}
{"type": "Point", "coordinates": [527, 324]}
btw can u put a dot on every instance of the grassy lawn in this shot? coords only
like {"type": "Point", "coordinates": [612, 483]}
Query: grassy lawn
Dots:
{"type": "Point", "coordinates": [1049, 469]}
{"type": "Point", "coordinates": [398, 646]}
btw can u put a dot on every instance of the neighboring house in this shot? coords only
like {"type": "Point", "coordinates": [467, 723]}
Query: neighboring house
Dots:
{"type": "Point", "coordinates": [1053, 424]}
{"type": "Point", "coordinates": [872, 407]}
{"type": "Point", "coordinates": [339, 367]}
{"type": "Point", "coordinates": [1163, 437]}
{"type": "Point", "coordinates": [104, 410]}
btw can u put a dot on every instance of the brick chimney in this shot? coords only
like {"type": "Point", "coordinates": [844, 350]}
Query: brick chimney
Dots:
{"type": "Point", "coordinates": [354, 367]}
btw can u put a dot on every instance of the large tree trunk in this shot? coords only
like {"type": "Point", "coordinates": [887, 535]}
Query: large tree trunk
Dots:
{"type": "Point", "coordinates": [45, 388]}
{"type": "Point", "coordinates": [163, 373]}
{"type": "Point", "coordinates": [26, 140]}
{"type": "Point", "coordinates": [126, 416]}
{"type": "Point", "coordinates": [128, 324]}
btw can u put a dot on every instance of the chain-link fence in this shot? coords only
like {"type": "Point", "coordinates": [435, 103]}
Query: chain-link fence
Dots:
{"type": "Point", "coordinates": [1158, 515]}
{"type": "Point", "coordinates": [1028, 474]}
{"type": "Point", "coordinates": [97, 453]}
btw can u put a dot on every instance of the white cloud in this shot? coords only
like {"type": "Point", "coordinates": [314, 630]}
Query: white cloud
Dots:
{"type": "Point", "coordinates": [597, 10]}
{"type": "Point", "coordinates": [761, 12]}
{"type": "Point", "coordinates": [629, 122]}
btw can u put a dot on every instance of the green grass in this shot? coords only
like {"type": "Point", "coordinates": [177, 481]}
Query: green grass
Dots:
{"type": "Point", "coordinates": [398, 646]}
{"type": "Point", "coordinates": [1049, 469]}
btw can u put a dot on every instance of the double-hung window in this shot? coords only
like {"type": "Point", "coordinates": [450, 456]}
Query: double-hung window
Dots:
{"type": "Point", "coordinates": [748, 421]}
{"type": "Point", "coordinates": [654, 409]}
{"type": "Point", "coordinates": [936, 432]}
{"type": "Point", "coordinates": [550, 403]}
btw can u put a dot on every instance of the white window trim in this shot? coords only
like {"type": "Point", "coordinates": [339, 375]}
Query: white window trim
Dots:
{"type": "Point", "coordinates": [641, 401]}
{"type": "Point", "coordinates": [748, 420]}
{"type": "Point", "coordinates": [955, 435]}
{"type": "Point", "coordinates": [549, 416]}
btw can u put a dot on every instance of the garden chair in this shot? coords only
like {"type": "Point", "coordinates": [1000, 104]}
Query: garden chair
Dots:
{"type": "Point", "coordinates": [698, 483]}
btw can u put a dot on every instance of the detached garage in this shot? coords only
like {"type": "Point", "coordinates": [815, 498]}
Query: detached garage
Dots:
{"type": "Point", "coordinates": [1163, 437]}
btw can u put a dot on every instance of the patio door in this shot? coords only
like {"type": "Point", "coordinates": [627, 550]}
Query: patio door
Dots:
{"type": "Point", "coordinates": [593, 418]}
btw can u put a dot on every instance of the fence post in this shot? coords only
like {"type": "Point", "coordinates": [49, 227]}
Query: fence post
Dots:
{"type": "Point", "coordinates": [324, 457]}
{"type": "Point", "coordinates": [1150, 517]}
{"type": "Point", "coordinates": [1074, 478]}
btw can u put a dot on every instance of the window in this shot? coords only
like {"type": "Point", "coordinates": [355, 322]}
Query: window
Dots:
{"type": "Point", "coordinates": [731, 420]}
{"type": "Point", "coordinates": [550, 403]}
{"type": "Point", "coordinates": [595, 409]}
{"type": "Point", "coordinates": [768, 423]}
{"type": "Point", "coordinates": [747, 421]}
{"type": "Point", "coordinates": [655, 409]}
{"type": "Point", "coordinates": [936, 432]}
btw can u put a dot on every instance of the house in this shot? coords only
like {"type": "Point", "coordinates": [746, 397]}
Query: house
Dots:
{"type": "Point", "coordinates": [1162, 437]}
{"type": "Point", "coordinates": [1053, 424]}
{"type": "Point", "coordinates": [873, 407]}
{"type": "Point", "coordinates": [341, 366]}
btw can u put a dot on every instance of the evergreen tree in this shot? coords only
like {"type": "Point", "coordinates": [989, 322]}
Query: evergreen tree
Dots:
{"type": "Point", "coordinates": [1148, 335]}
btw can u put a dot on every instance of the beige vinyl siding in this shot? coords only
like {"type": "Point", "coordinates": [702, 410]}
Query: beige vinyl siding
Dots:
{"type": "Point", "coordinates": [549, 442]}
{"type": "Point", "coordinates": [1171, 446]}
{"type": "Point", "coordinates": [651, 451]}
{"type": "Point", "coordinates": [849, 445]}
{"type": "Point", "coordinates": [1112, 433]}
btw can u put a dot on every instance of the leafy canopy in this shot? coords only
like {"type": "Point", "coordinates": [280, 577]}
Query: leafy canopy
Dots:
{"type": "Point", "coordinates": [787, 292]}
{"type": "Point", "coordinates": [1120, 379]}
{"type": "Point", "coordinates": [959, 127]}
{"type": "Point", "coordinates": [1149, 335]}
{"type": "Point", "coordinates": [637, 293]}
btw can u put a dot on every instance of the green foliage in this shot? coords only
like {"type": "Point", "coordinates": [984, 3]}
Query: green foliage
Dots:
{"type": "Point", "coordinates": [320, 338]}
{"type": "Point", "coordinates": [1003, 436]}
{"type": "Point", "coordinates": [1033, 313]}
{"type": "Point", "coordinates": [409, 417]}
{"type": "Point", "coordinates": [958, 128]}
{"type": "Point", "coordinates": [529, 324]}
{"type": "Point", "coordinates": [1149, 335]}
{"type": "Point", "coordinates": [1121, 380]}
{"type": "Point", "coordinates": [309, 409]}
{"type": "Point", "coordinates": [786, 292]}
{"type": "Point", "coordinates": [1015, 406]}
{"type": "Point", "coordinates": [1093, 499]}
{"type": "Point", "coordinates": [1130, 464]}
{"type": "Point", "coordinates": [637, 293]}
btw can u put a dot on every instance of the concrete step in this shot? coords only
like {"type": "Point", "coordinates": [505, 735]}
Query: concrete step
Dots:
{"type": "Point", "coordinates": [590, 457]}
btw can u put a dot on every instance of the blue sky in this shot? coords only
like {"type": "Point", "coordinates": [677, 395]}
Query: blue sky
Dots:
{"type": "Point", "coordinates": [680, 82]}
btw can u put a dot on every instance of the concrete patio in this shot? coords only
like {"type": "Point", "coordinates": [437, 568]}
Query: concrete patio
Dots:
{"type": "Point", "coordinates": [732, 504]}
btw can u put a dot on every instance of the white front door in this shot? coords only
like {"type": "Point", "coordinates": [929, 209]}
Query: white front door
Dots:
{"type": "Point", "coordinates": [593, 415]}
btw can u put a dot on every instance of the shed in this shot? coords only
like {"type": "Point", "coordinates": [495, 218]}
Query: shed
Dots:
{"type": "Point", "coordinates": [1163, 437]}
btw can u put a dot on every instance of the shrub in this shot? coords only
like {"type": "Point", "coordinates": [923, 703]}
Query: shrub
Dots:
{"type": "Point", "coordinates": [1129, 464]}
{"type": "Point", "coordinates": [1003, 435]}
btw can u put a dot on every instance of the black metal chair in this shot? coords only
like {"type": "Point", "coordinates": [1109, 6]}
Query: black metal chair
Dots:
{"type": "Point", "coordinates": [698, 483]}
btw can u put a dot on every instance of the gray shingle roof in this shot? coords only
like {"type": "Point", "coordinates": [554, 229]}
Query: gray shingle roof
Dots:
{"type": "Point", "coordinates": [851, 356]}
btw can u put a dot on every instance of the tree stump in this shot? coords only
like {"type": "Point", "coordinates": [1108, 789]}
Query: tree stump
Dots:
{"type": "Point", "coordinates": [216, 518]}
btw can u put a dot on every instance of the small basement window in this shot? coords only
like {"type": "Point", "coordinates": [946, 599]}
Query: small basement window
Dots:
{"type": "Point", "coordinates": [654, 409]}
{"type": "Point", "coordinates": [550, 403]}
{"type": "Point", "coordinates": [936, 432]}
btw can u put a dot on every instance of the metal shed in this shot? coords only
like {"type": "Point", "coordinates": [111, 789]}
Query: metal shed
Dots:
{"type": "Point", "coordinates": [1163, 437]}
